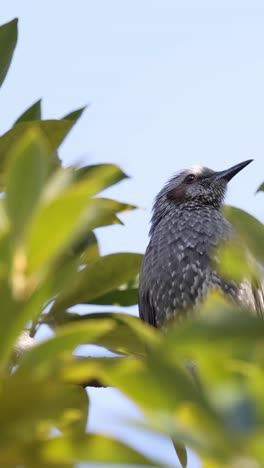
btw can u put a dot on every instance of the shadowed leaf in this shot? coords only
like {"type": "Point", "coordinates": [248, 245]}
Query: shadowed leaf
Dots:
{"type": "Point", "coordinates": [99, 278]}
{"type": "Point", "coordinates": [32, 113]}
{"type": "Point", "coordinates": [74, 115]}
{"type": "Point", "coordinates": [8, 40]}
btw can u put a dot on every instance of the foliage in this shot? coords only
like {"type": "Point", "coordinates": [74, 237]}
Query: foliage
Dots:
{"type": "Point", "coordinates": [50, 261]}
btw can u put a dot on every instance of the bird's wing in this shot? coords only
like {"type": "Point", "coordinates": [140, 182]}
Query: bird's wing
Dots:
{"type": "Point", "coordinates": [258, 294]}
{"type": "Point", "coordinates": [146, 309]}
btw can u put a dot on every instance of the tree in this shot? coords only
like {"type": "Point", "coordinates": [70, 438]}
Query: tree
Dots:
{"type": "Point", "coordinates": [50, 262]}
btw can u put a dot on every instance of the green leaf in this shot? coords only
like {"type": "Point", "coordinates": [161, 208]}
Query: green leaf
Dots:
{"type": "Point", "coordinates": [261, 188]}
{"type": "Point", "coordinates": [128, 334]}
{"type": "Point", "coordinates": [118, 297]}
{"type": "Point", "coordinates": [236, 263]}
{"type": "Point", "coordinates": [99, 278]}
{"type": "Point", "coordinates": [103, 174]}
{"type": "Point", "coordinates": [8, 40]}
{"type": "Point", "coordinates": [56, 224]}
{"type": "Point", "coordinates": [26, 172]}
{"type": "Point", "coordinates": [31, 114]}
{"type": "Point", "coordinates": [74, 115]}
{"type": "Point", "coordinates": [250, 229]}
{"type": "Point", "coordinates": [91, 448]}
{"type": "Point", "coordinates": [181, 453]}
{"type": "Point", "coordinates": [54, 131]}
{"type": "Point", "coordinates": [21, 413]}
{"type": "Point", "coordinates": [67, 339]}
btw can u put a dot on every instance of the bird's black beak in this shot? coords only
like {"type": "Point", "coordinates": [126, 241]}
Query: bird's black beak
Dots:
{"type": "Point", "coordinates": [228, 174]}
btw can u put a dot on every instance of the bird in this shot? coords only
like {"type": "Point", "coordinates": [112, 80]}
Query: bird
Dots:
{"type": "Point", "coordinates": [187, 226]}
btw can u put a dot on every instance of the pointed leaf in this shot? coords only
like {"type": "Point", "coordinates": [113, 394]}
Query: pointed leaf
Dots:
{"type": "Point", "coordinates": [74, 115]}
{"type": "Point", "coordinates": [8, 40]}
{"type": "Point", "coordinates": [181, 453]}
{"type": "Point", "coordinates": [261, 188]}
{"type": "Point", "coordinates": [32, 113]}
{"type": "Point", "coordinates": [54, 130]}
{"type": "Point", "coordinates": [26, 173]}
{"type": "Point", "coordinates": [107, 174]}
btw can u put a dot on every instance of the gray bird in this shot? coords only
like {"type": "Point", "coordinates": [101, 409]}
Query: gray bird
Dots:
{"type": "Point", "coordinates": [186, 227]}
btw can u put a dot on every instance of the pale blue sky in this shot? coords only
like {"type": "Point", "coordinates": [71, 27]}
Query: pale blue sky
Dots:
{"type": "Point", "coordinates": [171, 84]}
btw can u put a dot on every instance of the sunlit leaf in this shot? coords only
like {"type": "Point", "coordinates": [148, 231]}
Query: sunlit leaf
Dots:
{"type": "Point", "coordinates": [249, 228]}
{"type": "Point", "coordinates": [235, 262]}
{"type": "Point", "coordinates": [94, 449]}
{"type": "Point", "coordinates": [32, 113]}
{"type": "Point", "coordinates": [103, 174]}
{"type": "Point", "coordinates": [54, 131]}
{"type": "Point", "coordinates": [8, 40]}
{"type": "Point", "coordinates": [39, 402]}
{"type": "Point", "coordinates": [26, 172]}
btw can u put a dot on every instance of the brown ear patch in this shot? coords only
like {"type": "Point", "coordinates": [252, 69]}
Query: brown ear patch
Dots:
{"type": "Point", "coordinates": [177, 194]}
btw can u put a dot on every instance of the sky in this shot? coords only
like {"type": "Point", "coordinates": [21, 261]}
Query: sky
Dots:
{"type": "Point", "coordinates": [169, 84]}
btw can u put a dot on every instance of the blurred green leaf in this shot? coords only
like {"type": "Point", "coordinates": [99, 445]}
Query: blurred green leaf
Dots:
{"type": "Point", "coordinates": [92, 448]}
{"type": "Point", "coordinates": [101, 277]}
{"type": "Point", "coordinates": [261, 188]}
{"type": "Point", "coordinates": [26, 172]}
{"type": "Point", "coordinates": [39, 402]}
{"type": "Point", "coordinates": [250, 229]}
{"type": "Point", "coordinates": [8, 40]}
{"type": "Point", "coordinates": [54, 132]}
{"type": "Point", "coordinates": [32, 113]}
{"type": "Point", "coordinates": [67, 339]}
{"type": "Point", "coordinates": [128, 334]}
{"type": "Point", "coordinates": [236, 263]}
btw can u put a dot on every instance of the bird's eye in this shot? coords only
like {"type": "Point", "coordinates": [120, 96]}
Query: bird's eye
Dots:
{"type": "Point", "coordinates": [190, 178]}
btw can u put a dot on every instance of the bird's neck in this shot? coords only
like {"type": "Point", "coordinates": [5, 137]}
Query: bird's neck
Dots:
{"type": "Point", "coordinates": [186, 212]}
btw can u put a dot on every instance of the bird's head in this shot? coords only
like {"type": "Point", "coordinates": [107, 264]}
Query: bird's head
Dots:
{"type": "Point", "coordinates": [194, 187]}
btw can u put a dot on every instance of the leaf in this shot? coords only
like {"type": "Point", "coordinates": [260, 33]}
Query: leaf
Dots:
{"type": "Point", "coordinates": [91, 448]}
{"type": "Point", "coordinates": [26, 172]}
{"type": "Point", "coordinates": [54, 131]}
{"type": "Point", "coordinates": [8, 40]}
{"type": "Point", "coordinates": [106, 174]}
{"type": "Point", "coordinates": [118, 297]}
{"type": "Point", "coordinates": [56, 224]}
{"type": "Point", "coordinates": [128, 334]}
{"type": "Point", "coordinates": [22, 415]}
{"type": "Point", "coordinates": [74, 115]}
{"type": "Point", "coordinates": [261, 188]}
{"type": "Point", "coordinates": [181, 453]}
{"type": "Point", "coordinates": [99, 278]}
{"type": "Point", "coordinates": [30, 114]}
{"type": "Point", "coordinates": [250, 229]}
{"type": "Point", "coordinates": [236, 263]}
{"type": "Point", "coordinates": [67, 339]}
